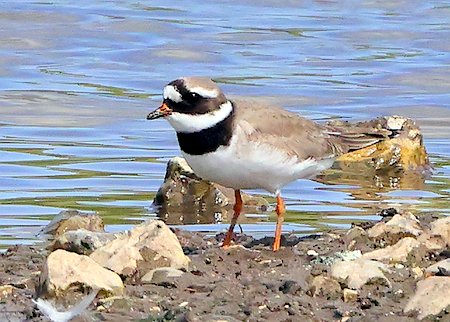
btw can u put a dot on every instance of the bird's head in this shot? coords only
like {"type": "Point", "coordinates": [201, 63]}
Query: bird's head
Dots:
{"type": "Point", "coordinates": [191, 104]}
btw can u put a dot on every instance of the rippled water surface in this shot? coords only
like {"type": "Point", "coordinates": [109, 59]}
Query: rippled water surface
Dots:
{"type": "Point", "coordinates": [78, 78]}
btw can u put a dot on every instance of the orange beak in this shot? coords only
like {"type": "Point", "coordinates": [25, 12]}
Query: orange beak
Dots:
{"type": "Point", "coordinates": [161, 111]}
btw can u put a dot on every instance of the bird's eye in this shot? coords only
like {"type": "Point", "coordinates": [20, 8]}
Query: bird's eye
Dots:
{"type": "Point", "coordinates": [195, 95]}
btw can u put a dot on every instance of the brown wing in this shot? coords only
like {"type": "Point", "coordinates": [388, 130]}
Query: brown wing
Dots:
{"type": "Point", "coordinates": [355, 136]}
{"type": "Point", "coordinates": [285, 130]}
{"type": "Point", "coordinates": [302, 137]}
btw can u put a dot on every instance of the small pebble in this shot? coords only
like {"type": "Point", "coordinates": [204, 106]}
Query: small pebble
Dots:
{"type": "Point", "coordinates": [183, 304]}
{"type": "Point", "coordinates": [417, 272]}
{"type": "Point", "coordinates": [350, 295]}
{"type": "Point", "coordinates": [312, 252]}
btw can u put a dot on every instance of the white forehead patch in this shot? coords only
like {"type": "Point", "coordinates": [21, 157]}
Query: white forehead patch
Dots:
{"type": "Point", "coordinates": [203, 92]}
{"type": "Point", "coordinates": [172, 94]}
{"type": "Point", "coordinates": [189, 123]}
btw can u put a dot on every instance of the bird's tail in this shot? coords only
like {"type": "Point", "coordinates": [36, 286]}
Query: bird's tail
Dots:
{"type": "Point", "coordinates": [355, 136]}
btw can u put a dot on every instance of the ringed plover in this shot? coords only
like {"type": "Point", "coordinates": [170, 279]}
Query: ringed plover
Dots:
{"type": "Point", "coordinates": [244, 145]}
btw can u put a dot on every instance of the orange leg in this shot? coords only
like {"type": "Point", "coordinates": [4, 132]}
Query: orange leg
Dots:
{"type": "Point", "coordinates": [280, 209]}
{"type": "Point", "coordinates": [237, 211]}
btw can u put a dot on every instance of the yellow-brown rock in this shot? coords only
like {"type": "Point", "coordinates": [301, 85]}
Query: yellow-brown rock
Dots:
{"type": "Point", "coordinates": [404, 150]}
{"type": "Point", "coordinates": [5, 291]}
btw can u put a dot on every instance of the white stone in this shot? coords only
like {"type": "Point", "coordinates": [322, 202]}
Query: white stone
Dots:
{"type": "Point", "coordinates": [64, 269]}
{"type": "Point", "coordinates": [433, 269]}
{"type": "Point", "coordinates": [312, 252]}
{"type": "Point", "coordinates": [123, 254]}
{"type": "Point", "coordinates": [432, 296]}
{"type": "Point", "coordinates": [441, 227]}
{"type": "Point", "coordinates": [359, 272]}
{"type": "Point", "coordinates": [398, 253]}
{"type": "Point", "coordinates": [401, 225]}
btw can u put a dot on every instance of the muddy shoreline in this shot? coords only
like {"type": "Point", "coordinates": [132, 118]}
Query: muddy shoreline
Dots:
{"type": "Point", "coordinates": [247, 282]}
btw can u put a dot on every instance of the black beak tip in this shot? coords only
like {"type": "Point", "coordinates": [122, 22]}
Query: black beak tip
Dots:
{"type": "Point", "coordinates": [154, 115]}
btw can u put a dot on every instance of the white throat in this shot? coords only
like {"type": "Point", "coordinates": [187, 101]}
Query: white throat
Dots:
{"type": "Point", "coordinates": [189, 123]}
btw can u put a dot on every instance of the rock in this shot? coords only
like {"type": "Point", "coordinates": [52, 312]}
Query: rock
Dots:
{"type": "Point", "coordinates": [312, 252]}
{"type": "Point", "coordinates": [434, 269]}
{"type": "Point", "coordinates": [432, 296]}
{"type": "Point", "coordinates": [162, 275]}
{"type": "Point", "coordinates": [354, 233]}
{"type": "Point", "coordinates": [356, 238]}
{"type": "Point", "coordinates": [147, 246]}
{"type": "Point", "coordinates": [349, 295]}
{"type": "Point", "coordinates": [81, 241]}
{"type": "Point", "coordinates": [5, 291]}
{"type": "Point", "coordinates": [405, 150]}
{"type": "Point", "coordinates": [72, 220]}
{"type": "Point", "coordinates": [401, 225]}
{"type": "Point", "coordinates": [324, 286]}
{"type": "Point", "coordinates": [416, 272]}
{"type": "Point", "coordinates": [406, 250]}
{"type": "Point", "coordinates": [441, 228]}
{"type": "Point", "coordinates": [117, 302]}
{"type": "Point", "coordinates": [184, 193]}
{"type": "Point", "coordinates": [359, 272]}
{"type": "Point", "coordinates": [290, 287]}
{"type": "Point", "coordinates": [432, 243]}
{"type": "Point", "coordinates": [64, 269]}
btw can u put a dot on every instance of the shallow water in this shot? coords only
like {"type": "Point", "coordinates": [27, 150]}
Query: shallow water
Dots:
{"type": "Point", "coordinates": [77, 80]}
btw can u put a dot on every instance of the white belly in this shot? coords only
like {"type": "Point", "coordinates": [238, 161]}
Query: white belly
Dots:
{"type": "Point", "coordinates": [253, 166]}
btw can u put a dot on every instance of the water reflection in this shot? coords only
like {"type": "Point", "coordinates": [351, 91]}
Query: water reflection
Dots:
{"type": "Point", "coordinates": [368, 191]}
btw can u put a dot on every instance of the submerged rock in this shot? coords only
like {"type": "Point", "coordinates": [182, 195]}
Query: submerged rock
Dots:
{"type": "Point", "coordinates": [81, 241]}
{"type": "Point", "coordinates": [145, 247]}
{"type": "Point", "coordinates": [63, 270]}
{"type": "Point", "coordinates": [184, 194]}
{"type": "Point", "coordinates": [404, 150]}
{"type": "Point", "coordinates": [72, 220]}
{"type": "Point", "coordinates": [432, 296]}
{"type": "Point", "coordinates": [359, 272]}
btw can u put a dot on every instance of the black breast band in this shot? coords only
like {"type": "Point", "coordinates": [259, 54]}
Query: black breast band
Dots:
{"type": "Point", "coordinates": [207, 140]}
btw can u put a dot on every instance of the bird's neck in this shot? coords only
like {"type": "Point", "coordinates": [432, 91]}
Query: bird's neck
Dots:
{"type": "Point", "coordinates": [208, 139]}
